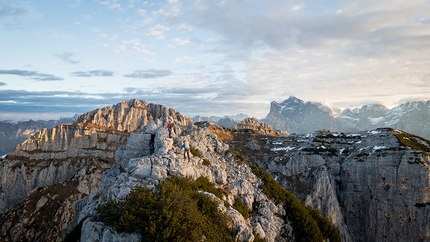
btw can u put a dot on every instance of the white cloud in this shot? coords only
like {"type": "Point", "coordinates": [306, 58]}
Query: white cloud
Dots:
{"type": "Point", "coordinates": [298, 6]}
{"type": "Point", "coordinates": [157, 31]}
{"type": "Point", "coordinates": [148, 21]}
{"type": "Point", "coordinates": [135, 46]}
{"type": "Point", "coordinates": [179, 41]}
{"type": "Point", "coordinates": [142, 12]}
{"type": "Point", "coordinates": [112, 4]}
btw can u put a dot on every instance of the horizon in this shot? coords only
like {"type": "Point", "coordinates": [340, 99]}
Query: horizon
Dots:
{"type": "Point", "coordinates": [62, 58]}
{"type": "Point", "coordinates": [55, 118]}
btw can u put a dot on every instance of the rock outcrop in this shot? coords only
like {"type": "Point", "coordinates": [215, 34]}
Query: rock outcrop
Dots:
{"type": "Point", "coordinates": [236, 180]}
{"type": "Point", "coordinates": [256, 126]}
{"type": "Point", "coordinates": [68, 156]}
{"type": "Point", "coordinates": [12, 133]}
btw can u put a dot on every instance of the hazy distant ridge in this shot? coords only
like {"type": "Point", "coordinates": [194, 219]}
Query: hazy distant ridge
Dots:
{"type": "Point", "coordinates": [296, 116]}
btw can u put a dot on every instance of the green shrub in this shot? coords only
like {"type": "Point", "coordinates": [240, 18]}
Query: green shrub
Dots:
{"type": "Point", "coordinates": [206, 162]}
{"type": "Point", "coordinates": [203, 184]}
{"type": "Point", "coordinates": [196, 152]}
{"type": "Point", "coordinates": [307, 226]}
{"type": "Point", "coordinates": [240, 206]}
{"type": "Point", "coordinates": [172, 211]}
{"type": "Point", "coordinates": [240, 158]}
{"type": "Point", "coordinates": [327, 228]}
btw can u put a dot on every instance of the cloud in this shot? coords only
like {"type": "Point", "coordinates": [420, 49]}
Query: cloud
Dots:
{"type": "Point", "coordinates": [11, 14]}
{"type": "Point", "coordinates": [7, 8]}
{"type": "Point", "coordinates": [51, 103]}
{"type": "Point", "coordinates": [298, 6]}
{"type": "Point", "coordinates": [133, 45]}
{"type": "Point", "coordinates": [32, 75]}
{"type": "Point", "coordinates": [3, 84]}
{"type": "Point", "coordinates": [91, 73]}
{"type": "Point", "coordinates": [149, 74]}
{"type": "Point", "coordinates": [112, 4]}
{"type": "Point", "coordinates": [67, 57]}
{"type": "Point", "coordinates": [179, 41]}
{"type": "Point", "coordinates": [157, 31]}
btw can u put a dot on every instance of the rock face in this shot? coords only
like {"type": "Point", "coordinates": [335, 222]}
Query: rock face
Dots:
{"type": "Point", "coordinates": [70, 156]}
{"type": "Point", "coordinates": [373, 187]}
{"type": "Point", "coordinates": [12, 133]}
{"type": "Point", "coordinates": [236, 180]}
{"type": "Point", "coordinates": [296, 116]}
{"type": "Point", "coordinates": [256, 126]}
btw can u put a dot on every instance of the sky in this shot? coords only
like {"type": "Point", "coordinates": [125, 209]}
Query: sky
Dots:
{"type": "Point", "coordinates": [204, 57]}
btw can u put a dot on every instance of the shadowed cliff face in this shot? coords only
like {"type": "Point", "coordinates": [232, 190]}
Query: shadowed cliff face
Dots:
{"type": "Point", "coordinates": [372, 185]}
{"type": "Point", "coordinates": [72, 157]}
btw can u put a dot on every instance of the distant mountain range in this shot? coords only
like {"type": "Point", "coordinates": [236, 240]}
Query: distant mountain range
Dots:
{"type": "Point", "coordinates": [226, 121]}
{"type": "Point", "coordinates": [292, 115]}
{"type": "Point", "coordinates": [296, 116]}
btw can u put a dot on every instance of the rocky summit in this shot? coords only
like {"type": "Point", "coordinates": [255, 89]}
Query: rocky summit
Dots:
{"type": "Point", "coordinates": [371, 185]}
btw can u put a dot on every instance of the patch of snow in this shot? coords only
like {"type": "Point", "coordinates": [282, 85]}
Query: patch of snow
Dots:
{"type": "Point", "coordinates": [358, 142]}
{"type": "Point", "coordinates": [379, 148]}
{"type": "Point", "coordinates": [348, 117]}
{"type": "Point", "coordinates": [341, 150]}
{"type": "Point", "coordinates": [374, 132]}
{"type": "Point", "coordinates": [353, 135]}
{"type": "Point", "coordinates": [3, 156]}
{"type": "Point", "coordinates": [376, 120]}
{"type": "Point", "coordinates": [283, 148]}
{"type": "Point", "coordinates": [277, 142]}
{"type": "Point", "coordinates": [391, 122]}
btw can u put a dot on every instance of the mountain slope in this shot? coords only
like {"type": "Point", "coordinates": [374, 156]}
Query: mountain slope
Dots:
{"type": "Point", "coordinates": [71, 157]}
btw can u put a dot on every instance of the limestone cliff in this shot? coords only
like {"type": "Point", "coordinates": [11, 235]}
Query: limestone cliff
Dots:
{"type": "Point", "coordinates": [46, 174]}
{"type": "Point", "coordinates": [373, 185]}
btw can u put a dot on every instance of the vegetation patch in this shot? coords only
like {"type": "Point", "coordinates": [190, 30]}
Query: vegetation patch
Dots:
{"type": "Point", "coordinates": [240, 206]}
{"type": "Point", "coordinates": [222, 133]}
{"type": "Point", "coordinates": [240, 158]}
{"type": "Point", "coordinates": [307, 227]}
{"type": "Point", "coordinates": [174, 210]}
{"type": "Point", "coordinates": [196, 152]}
{"type": "Point", "coordinates": [412, 141]}
{"type": "Point", "coordinates": [206, 162]}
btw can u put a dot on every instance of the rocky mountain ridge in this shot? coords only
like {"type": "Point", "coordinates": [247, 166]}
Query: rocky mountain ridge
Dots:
{"type": "Point", "coordinates": [372, 185]}
{"type": "Point", "coordinates": [296, 116]}
{"type": "Point", "coordinates": [12, 133]}
{"type": "Point", "coordinates": [33, 205]}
